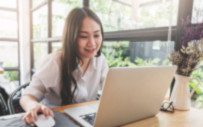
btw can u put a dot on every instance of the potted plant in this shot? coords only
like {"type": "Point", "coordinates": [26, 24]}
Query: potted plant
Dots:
{"type": "Point", "coordinates": [186, 59]}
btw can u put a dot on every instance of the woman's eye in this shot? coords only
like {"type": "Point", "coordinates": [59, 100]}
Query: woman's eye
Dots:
{"type": "Point", "coordinates": [96, 36]}
{"type": "Point", "coordinates": [83, 36]}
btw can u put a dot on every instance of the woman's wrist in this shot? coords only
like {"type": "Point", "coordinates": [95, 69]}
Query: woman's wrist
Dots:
{"type": "Point", "coordinates": [28, 102]}
{"type": "Point", "coordinates": [32, 106]}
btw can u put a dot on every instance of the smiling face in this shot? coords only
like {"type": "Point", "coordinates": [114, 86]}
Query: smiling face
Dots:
{"type": "Point", "coordinates": [90, 39]}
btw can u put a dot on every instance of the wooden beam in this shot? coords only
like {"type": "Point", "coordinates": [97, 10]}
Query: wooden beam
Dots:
{"type": "Point", "coordinates": [184, 10]}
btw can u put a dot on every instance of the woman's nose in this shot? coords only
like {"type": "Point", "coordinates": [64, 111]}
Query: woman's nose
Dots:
{"type": "Point", "coordinates": [91, 41]}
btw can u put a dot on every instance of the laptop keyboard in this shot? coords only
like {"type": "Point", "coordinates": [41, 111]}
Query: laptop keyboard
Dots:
{"type": "Point", "coordinates": [89, 118]}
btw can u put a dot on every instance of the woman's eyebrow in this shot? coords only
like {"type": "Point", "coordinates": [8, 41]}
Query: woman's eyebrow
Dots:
{"type": "Point", "coordinates": [97, 31]}
{"type": "Point", "coordinates": [83, 32]}
{"type": "Point", "coordinates": [88, 32]}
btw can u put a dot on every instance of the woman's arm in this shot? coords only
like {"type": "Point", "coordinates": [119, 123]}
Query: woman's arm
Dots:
{"type": "Point", "coordinates": [30, 104]}
{"type": "Point", "coordinates": [28, 101]}
{"type": "Point", "coordinates": [35, 92]}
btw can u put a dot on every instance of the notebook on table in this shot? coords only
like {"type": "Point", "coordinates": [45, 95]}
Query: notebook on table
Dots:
{"type": "Point", "coordinates": [129, 95]}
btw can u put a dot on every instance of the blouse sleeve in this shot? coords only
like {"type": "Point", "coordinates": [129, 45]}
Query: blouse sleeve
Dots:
{"type": "Point", "coordinates": [104, 71]}
{"type": "Point", "coordinates": [47, 74]}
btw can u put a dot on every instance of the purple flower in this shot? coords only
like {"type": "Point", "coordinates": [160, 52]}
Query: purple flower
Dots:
{"type": "Point", "coordinates": [190, 32]}
{"type": "Point", "coordinates": [201, 34]}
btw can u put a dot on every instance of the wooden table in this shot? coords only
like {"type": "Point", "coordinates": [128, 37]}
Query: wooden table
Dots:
{"type": "Point", "coordinates": [191, 118]}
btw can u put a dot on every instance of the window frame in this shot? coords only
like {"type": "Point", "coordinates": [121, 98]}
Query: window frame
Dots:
{"type": "Point", "coordinates": [148, 34]}
{"type": "Point", "coordinates": [13, 40]}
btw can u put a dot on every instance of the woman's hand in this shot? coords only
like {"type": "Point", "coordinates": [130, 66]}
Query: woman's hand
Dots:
{"type": "Point", "coordinates": [31, 114]}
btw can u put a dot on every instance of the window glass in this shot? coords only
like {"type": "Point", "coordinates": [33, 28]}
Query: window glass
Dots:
{"type": "Point", "coordinates": [135, 14]}
{"type": "Point", "coordinates": [8, 3]}
{"type": "Point", "coordinates": [36, 2]}
{"type": "Point", "coordinates": [11, 75]}
{"type": "Point", "coordinates": [9, 59]}
{"type": "Point", "coordinates": [8, 24]}
{"type": "Point", "coordinates": [40, 50]}
{"type": "Point", "coordinates": [40, 23]}
{"type": "Point", "coordinates": [9, 81]}
{"type": "Point", "coordinates": [60, 10]}
{"type": "Point", "coordinates": [56, 46]}
{"type": "Point", "coordinates": [125, 53]}
{"type": "Point", "coordinates": [154, 52]}
{"type": "Point", "coordinates": [197, 12]}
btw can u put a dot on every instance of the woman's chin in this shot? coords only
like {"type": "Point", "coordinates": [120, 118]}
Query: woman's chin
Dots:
{"type": "Point", "coordinates": [89, 56]}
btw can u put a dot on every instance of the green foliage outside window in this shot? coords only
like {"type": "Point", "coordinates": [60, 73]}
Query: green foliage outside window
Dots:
{"type": "Point", "coordinates": [198, 96]}
{"type": "Point", "coordinates": [133, 17]}
{"type": "Point", "coordinates": [10, 75]}
{"type": "Point", "coordinates": [117, 54]}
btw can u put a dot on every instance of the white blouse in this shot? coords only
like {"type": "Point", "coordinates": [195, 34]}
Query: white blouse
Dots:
{"type": "Point", "coordinates": [45, 85]}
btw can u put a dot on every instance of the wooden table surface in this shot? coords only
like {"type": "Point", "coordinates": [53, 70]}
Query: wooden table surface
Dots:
{"type": "Point", "coordinates": [191, 118]}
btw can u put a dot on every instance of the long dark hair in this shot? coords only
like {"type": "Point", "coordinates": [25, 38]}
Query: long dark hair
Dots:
{"type": "Point", "coordinates": [70, 55]}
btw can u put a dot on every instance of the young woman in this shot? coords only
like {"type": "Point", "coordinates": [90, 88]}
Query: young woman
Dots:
{"type": "Point", "coordinates": [75, 73]}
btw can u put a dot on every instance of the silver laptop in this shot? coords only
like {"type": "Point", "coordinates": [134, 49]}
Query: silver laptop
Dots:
{"type": "Point", "coordinates": [129, 95]}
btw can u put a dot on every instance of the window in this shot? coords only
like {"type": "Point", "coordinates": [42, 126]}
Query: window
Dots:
{"type": "Point", "coordinates": [141, 23]}
{"type": "Point", "coordinates": [60, 10]}
{"type": "Point", "coordinates": [40, 50]}
{"type": "Point", "coordinates": [142, 26]}
{"type": "Point", "coordinates": [8, 24]}
{"type": "Point", "coordinates": [9, 59]}
{"type": "Point", "coordinates": [56, 46]}
{"type": "Point", "coordinates": [46, 33]}
{"type": "Point", "coordinates": [197, 13]}
{"type": "Point", "coordinates": [36, 3]}
{"type": "Point", "coordinates": [40, 25]}
{"type": "Point", "coordinates": [8, 4]}
{"type": "Point", "coordinates": [126, 53]}
{"type": "Point", "coordinates": [135, 14]}
{"type": "Point", "coordinates": [9, 41]}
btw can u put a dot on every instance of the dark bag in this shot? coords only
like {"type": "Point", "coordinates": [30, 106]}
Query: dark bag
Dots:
{"type": "Point", "coordinates": [3, 102]}
{"type": "Point", "coordinates": [16, 104]}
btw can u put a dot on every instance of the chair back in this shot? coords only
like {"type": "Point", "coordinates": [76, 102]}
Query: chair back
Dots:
{"type": "Point", "coordinates": [14, 100]}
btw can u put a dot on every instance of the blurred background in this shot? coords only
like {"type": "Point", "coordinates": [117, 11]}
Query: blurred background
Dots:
{"type": "Point", "coordinates": [136, 33]}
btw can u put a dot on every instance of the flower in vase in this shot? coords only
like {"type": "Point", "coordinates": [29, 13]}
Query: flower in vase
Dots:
{"type": "Point", "coordinates": [191, 51]}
